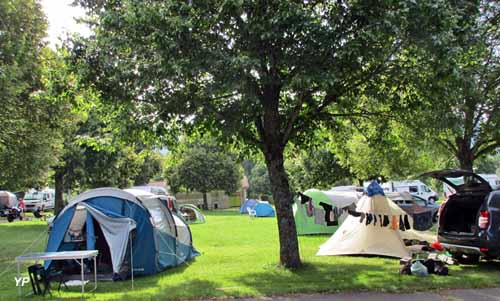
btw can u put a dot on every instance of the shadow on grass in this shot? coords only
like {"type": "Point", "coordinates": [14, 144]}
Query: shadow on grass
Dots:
{"type": "Point", "coordinates": [327, 277]}
{"type": "Point", "coordinates": [188, 289]}
{"type": "Point", "coordinates": [382, 275]}
{"type": "Point", "coordinates": [379, 275]}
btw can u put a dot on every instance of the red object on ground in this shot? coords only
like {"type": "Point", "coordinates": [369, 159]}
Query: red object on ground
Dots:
{"type": "Point", "coordinates": [437, 246]}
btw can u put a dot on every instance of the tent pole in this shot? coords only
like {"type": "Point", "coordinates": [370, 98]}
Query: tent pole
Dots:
{"type": "Point", "coordinates": [131, 260]}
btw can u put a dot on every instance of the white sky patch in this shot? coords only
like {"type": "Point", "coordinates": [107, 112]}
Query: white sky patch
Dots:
{"type": "Point", "coordinates": [61, 17]}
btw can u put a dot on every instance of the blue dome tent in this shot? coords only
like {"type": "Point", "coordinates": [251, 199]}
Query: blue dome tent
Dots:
{"type": "Point", "coordinates": [264, 209]}
{"type": "Point", "coordinates": [248, 204]}
{"type": "Point", "coordinates": [114, 222]}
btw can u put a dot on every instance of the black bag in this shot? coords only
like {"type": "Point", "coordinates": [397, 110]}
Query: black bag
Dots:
{"type": "Point", "coordinates": [405, 269]}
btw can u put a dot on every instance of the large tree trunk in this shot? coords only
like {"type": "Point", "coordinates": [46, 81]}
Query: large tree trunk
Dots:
{"type": "Point", "coordinates": [59, 186]}
{"type": "Point", "coordinates": [273, 147]}
{"type": "Point", "coordinates": [289, 245]}
{"type": "Point", "coordinates": [205, 201]}
{"type": "Point", "coordinates": [465, 156]}
{"type": "Point", "coordinates": [466, 163]}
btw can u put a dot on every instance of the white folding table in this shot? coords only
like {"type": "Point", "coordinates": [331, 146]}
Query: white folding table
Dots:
{"type": "Point", "coordinates": [78, 256]}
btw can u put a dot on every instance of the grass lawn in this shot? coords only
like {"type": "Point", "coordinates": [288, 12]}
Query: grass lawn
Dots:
{"type": "Point", "coordinates": [239, 259]}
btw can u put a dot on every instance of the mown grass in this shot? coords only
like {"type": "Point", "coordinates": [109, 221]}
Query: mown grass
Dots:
{"type": "Point", "coordinates": [239, 259]}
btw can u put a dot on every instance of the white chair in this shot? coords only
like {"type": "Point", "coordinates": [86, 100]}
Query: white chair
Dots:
{"type": "Point", "coordinates": [251, 212]}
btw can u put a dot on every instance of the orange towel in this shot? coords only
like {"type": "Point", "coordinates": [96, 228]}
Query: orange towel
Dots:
{"type": "Point", "coordinates": [394, 223]}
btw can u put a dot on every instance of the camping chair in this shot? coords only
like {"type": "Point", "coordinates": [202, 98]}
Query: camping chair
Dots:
{"type": "Point", "coordinates": [38, 275]}
{"type": "Point", "coordinates": [251, 212]}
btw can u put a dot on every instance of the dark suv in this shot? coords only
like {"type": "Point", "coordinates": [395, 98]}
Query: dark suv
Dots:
{"type": "Point", "coordinates": [469, 220]}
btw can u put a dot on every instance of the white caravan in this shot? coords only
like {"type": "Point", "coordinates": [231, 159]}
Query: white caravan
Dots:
{"type": "Point", "coordinates": [414, 187]}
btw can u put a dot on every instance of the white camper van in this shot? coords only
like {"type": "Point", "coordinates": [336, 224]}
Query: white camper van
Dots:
{"type": "Point", "coordinates": [43, 199]}
{"type": "Point", "coordinates": [414, 187]}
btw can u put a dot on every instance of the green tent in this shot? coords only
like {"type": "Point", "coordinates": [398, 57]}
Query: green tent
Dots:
{"type": "Point", "coordinates": [320, 212]}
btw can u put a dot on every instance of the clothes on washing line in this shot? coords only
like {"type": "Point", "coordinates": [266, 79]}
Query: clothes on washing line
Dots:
{"type": "Point", "coordinates": [362, 217]}
{"type": "Point", "coordinates": [319, 216]}
{"type": "Point", "coordinates": [386, 221]}
{"type": "Point", "coordinates": [407, 222]}
{"type": "Point", "coordinates": [328, 218]}
{"type": "Point", "coordinates": [353, 212]}
{"type": "Point", "coordinates": [369, 218]}
{"type": "Point", "coordinates": [304, 198]}
{"type": "Point", "coordinates": [309, 208]}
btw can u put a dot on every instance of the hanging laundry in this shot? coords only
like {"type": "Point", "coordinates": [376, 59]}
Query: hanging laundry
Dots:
{"type": "Point", "coordinates": [304, 198]}
{"type": "Point", "coordinates": [407, 223]}
{"type": "Point", "coordinates": [369, 218]}
{"type": "Point", "coordinates": [328, 208]}
{"type": "Point", "coordinates": [319, 216]}
{"type": "Point", "coordinates": [362, 217]}
{"type": "Point", "coordinates": [309, 208]}
{"type": "Point", "coordinates": [394, 223]}
{"type": "Point", "coordinates": [401, 224]}
{"type": "Point", "coordinates": [386, 221]}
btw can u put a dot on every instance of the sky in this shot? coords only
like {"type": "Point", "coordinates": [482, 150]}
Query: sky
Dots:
{"type": "Point", "coordinates": [61, 17]}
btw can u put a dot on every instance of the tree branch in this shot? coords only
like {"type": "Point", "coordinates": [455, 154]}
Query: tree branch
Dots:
{"type": "Point", "coordinates": [448, 144]}
{"type": "Point", "coordinates": [294, 116]}
{"type": "Point", "coordinates": [487, 149]}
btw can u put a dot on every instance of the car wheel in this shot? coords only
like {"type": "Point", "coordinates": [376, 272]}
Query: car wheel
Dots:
{"type": "Point", "coordinates": [432, 199]}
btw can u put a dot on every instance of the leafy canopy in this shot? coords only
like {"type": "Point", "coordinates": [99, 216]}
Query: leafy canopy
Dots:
{"type": "Point", "coordinates": [223, 64]}
{"type": "Point", "coordinates": [204, 166]}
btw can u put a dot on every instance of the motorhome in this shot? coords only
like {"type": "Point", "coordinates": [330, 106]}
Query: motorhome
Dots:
{"type": "Point", "coordinates": [43, 199]}
{"type": "Point", "coordinates": [414, 187]}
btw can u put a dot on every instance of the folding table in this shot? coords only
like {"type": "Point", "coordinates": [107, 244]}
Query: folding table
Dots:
{"type": "Point", "coordinates": [78, 256]}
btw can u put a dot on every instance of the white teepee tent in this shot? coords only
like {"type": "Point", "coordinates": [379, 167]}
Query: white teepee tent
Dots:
{"type": "Point", "coordinates": [375, 231]}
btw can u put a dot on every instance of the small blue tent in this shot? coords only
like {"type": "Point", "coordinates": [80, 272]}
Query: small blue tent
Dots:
{"type": "Point", "coordinates": [125, 229]}
{"type": "Point", "coordinates": [248, 204]}
{"type": "Point", "coordinates": [264, 209]}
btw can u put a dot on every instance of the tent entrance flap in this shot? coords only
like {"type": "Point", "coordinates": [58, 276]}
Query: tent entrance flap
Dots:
{"type": "Point", "coordinates": [116, 231]}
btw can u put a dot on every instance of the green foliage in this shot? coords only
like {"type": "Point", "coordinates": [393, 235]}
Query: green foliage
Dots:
{"type": "Point", "coordinates": [96, 157]}
{"type": "Point", "coordinates": [221, 71]}
{"type": "Point", "coordinates": [29, 142]}
{"type": "Point", "coordinates": [259, 181]}
{"type": "Point", "coordinates": [488, 164]}
{"type": "Point", "coordinates": [150, 169]}
{"type": "Point", "coordinates": [463, 114]}
{"type": "Point", "coordinates": [392, 154]}
{"type": "Point", "coordinates": [316, 169]}
{"type": "Point", "coordinates": [204, 166]}
{"type": "Point", "coordinates": [94, 151]}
